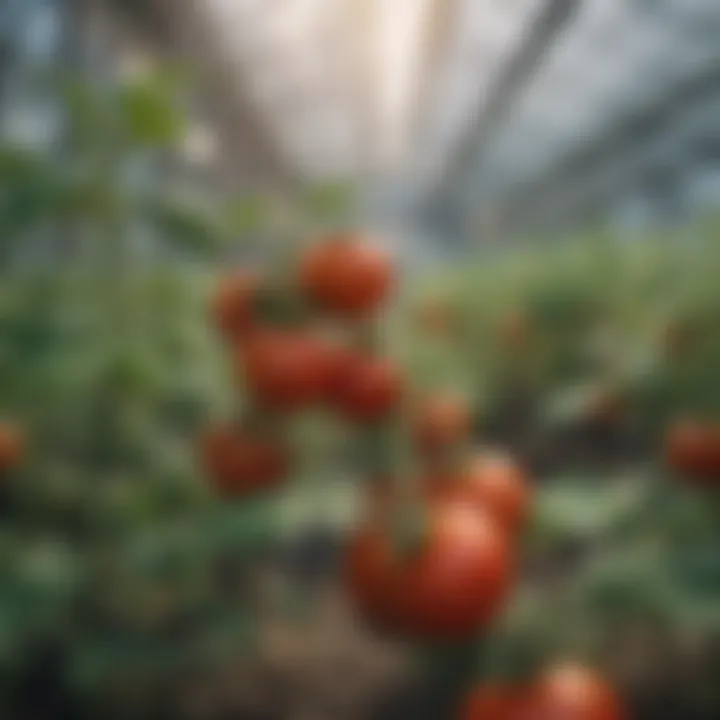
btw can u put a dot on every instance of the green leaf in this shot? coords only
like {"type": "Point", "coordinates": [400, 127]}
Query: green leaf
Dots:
{"type": "Point", "coordinates": [150, 115]}
{"type": "Point", "coordinates": [627, 580]}
{"type": "Point", "coordinates": [567, 405]}
{"type": "Point", "coordinates": [698, 568]}
{"type": "Point", "coordinates": [29, 188]}
{"type": "Point", "coordinates": [587, 509]}
{"type": "Point", "coordinates": [246, 215]}
{"type": "Point", "coordinates": [330, 200]}
{"type": "Point", "coordinates": [186, 224]}
{"type": "Point", "coordinates": [86, 113]}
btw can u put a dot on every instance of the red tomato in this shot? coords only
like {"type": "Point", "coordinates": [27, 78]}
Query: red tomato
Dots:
{"type": "Point", "coordinates": [239, 463]}
{"type": "Point", "coordinates": [346, 276]}
{"type": "Point", "coordinates": [451, 587]}
{"type": "Point", "coordinates": [493, 482]}
{"type": "Point", "coordinates": [693, 451]}
{"type": "Point", "coordinates": [365, 389]}
{"type": "Point", "coordinates": [233, 305]}
{"type": "Point", "coordinates": [338, 362]}
{"type": "Point", "coordinates": [441, 421]}
{"type": "Point", "coordinates": [461, 578]}
{"type": "Point", "coordinates": [492, 701]}
{"type": "Point", "coordinates": [12, 446]}
{"type": "Point", "coordinates": [283, 369]}
{"type": "Point", "coordinates": [572, 692]}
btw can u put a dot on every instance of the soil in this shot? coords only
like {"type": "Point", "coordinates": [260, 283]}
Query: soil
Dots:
{"type": "Point", "coordinates": [318, 666]}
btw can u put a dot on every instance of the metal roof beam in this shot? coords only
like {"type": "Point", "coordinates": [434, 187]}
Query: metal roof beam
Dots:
{"type": "Point", "coordinates": [518, 72]}
{"type": "Point", "coordinates": [632, 132]}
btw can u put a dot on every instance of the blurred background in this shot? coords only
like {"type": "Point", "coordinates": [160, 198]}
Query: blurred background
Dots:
{"type": "Point", "coordinates": [546, 174]}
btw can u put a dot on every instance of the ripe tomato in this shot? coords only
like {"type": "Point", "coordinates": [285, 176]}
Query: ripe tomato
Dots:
{"type": "Point", "coordinates": [346, 276]}
{"type": "Point", "coordinates": [12, 446]}
{"type": "Point", "coordinates": [572, 692]}
{"type": "Point", "coordinates": [283, 368]}
{"type": "Point", "coordinates": [693, 451]}
{"type": "Point", "coordinates": [492, 701]}
{"type": "Point", "coordinates": [233, 305]}
{"type": "Point", "coordinates": [338, 362]}
{"type": "Point", "coordinates": [239, 463]}
{"type": "Point", "coordinates": [461, 577]}
{"type": "Point", "coordinates": [440, 422]}
{"type": "Point", "coordinates": [452, 586]}
{"type": "Point", "coordinates": [365, 389]}
{"type": "Point", "coordinates": [493, 482]}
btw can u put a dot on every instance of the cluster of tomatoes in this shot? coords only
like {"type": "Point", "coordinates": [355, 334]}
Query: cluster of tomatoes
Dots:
{"type": "Point", "coordinates": [277, 333]}
{"type": "Point", "coordinates": [559, 692]}
{"type": "Point", "coordinates": [433, 557]}
{"type": "Point", "coordinates": [470, 511]}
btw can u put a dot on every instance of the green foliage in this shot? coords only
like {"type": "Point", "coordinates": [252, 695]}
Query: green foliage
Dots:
{"type": "Point", "coordinates": [330, 202]}
{"type": "Point", "coordinates": [109, 539]}
{"type": "Point", "coordinates": [29, 188]}
{"type": "Point", "coordinates": [150, 115]}
{"type": "Point", "coordinates": [605, 551]}
{"type": "Point", "coordinates": [597, 313]}
{"type": "Point", "coordinates": [187, 224]}
{"type": "Point", "coordinates": [108, 536]}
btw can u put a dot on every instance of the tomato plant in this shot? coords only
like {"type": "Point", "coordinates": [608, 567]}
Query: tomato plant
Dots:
{"type": "Point", "coordinates": [434, 559]}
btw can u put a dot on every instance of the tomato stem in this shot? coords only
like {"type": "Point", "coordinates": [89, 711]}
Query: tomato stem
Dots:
{"type": "Point", "coordinates": [410, 519]}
